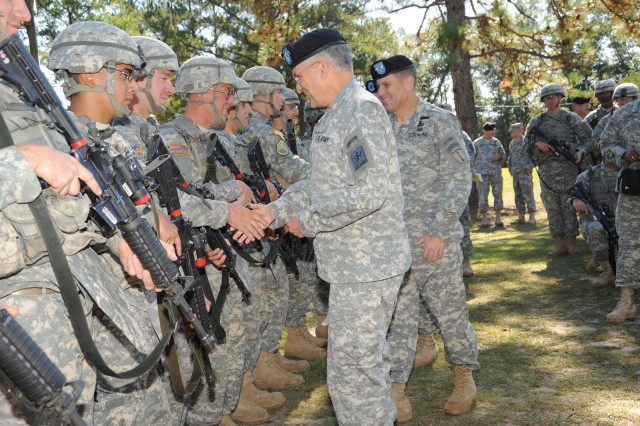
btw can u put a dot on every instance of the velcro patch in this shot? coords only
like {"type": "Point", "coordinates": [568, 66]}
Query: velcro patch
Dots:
{"type": "Point", "coordinates": [453, 149]}
{"type": "Point", "coordinates": [179, 149]}
{"type": "Point", "coordinates": [358, 157]}
{"type": "Point", "coordinates": [282, 147]}
{"type": "Point", "coordinates": [137, 148]}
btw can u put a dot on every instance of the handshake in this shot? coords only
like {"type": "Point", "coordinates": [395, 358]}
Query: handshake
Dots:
{"type": "Point", "coordinates": [251, 223]}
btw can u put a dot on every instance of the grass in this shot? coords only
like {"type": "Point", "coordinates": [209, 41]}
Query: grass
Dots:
{"type": "Point", "coordinates": [548, 355]}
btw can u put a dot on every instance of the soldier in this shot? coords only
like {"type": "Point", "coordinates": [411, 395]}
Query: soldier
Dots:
{"type": "Point", "coordinates": [624, 94]}
{"type": "Point", "coordinates": [352, 204]}
{"type": "Point", "coordinates": [311, 116]}
{"type": "Point", "coordinates": [520, 166]}
{"type": "Point", "coordinates": [600, 182]}
{"type": "Point", "coordinates": [581, 105]}
{"type": "Point", "coordinates": [604, 93]}
{"type": "Point", "coordinates": [434, 167]}
{"type": "Point", "coordinates": [620, 144]}
{"type": "Point", "coordinates": [489, 155]}
{"type": "Point", "coordinates": [556, 173]}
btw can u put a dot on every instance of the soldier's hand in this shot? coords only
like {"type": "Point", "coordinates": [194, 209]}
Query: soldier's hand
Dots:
{"type": "Point", "coordinates": [168, 232]}
{"type": "Point", "coordinates": [579, 206]}
{"type": "Point", "coordinates": [433, 248]}
{"type": "Point", "coordinates": [246, 221]}
{"type": "Point", "coordinates": [293, 227]}
{"type": "Point", "coordinates": [217, 257]}
{"type": "Point", "coordinates": [133, 266]}
{"type": "Point", "coordinates": [543, 146]}
{"type": "Point", "coordinates": [528, 172]}
{"type": "Point", "coordinates": [264, 212]}
{"type": "Point", "coordinates": [631, 156]}
{"type": "Point", "coordinates": [496, 157]}
{"type": "Point", "coordinates": [273, 192]}
{"type": "Point", "coordinates": [578, 156]}
{"type": "Point", "coordinates": [13, 311]}
{"type": "Point", "coordinates": [60, 171]}
{"type": "Point", "coordinates": [246, 195]}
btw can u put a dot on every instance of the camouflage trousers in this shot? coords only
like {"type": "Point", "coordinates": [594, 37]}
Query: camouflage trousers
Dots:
{"type": "Point", "coordinates": [403, 332]}
{"type": "Point", "coordinates": [466, 244]}
{"type": "Point", "coordinates": [321, 300]}
{"type": "Point", "coordinates": [300, 293]}
{"type": "Point", "coordinates": [628, 227]}
{"type": "Point", "coordinates": [523, 189]}
{"type": "Point", "coordinates": [277, 297]}
{"type": "Point", "coordinates": [491, 181]}
{"type": "Point", "coordinates": [444, 304]}
{"type": "Point", "coordinates": [597, 239]}
{"type": "Point", "coordinates": [357, 354]}
{"type": "Point", "coordinates": [562, 217]}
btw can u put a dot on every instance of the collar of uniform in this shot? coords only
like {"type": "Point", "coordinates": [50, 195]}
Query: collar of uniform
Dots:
{"type": "Point", "coordinates": [346, 93]}
{"type": "Point", "coordinates": [258, 117]}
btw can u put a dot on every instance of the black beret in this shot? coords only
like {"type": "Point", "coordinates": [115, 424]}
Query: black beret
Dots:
{"type": "Point", "coordinates": [310, 44]}
{"type": "Point", "coordinates": [581, 100]}
{"type": "Point", "coordinates": [489, 126]}
{"type": "Point", "coordinates": [370, 85]}
{"type": "Point", "coordinates": [384, 67]}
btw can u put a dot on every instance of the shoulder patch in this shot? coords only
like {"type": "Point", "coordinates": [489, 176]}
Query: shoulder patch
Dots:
{"type": "Point", "coordinates": [179, 149]}
{"type": "Point", "coordinates": [282, 148]}
{"type": "Point", "coordinates": [453, 149]}
{"type": "Point", "coordinates": [137, 148]}
{"type": "Point", "coordinates": [360, 158]}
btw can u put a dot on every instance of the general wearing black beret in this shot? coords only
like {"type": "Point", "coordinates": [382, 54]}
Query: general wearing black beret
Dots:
{"type": "Point", "coordinates": [310, 44]}
{"type": "Point", "coordinates": [581, 100]}
{"type": "Point", "coordinates": [489, 126]}
{"type": "Point", "coordinates": [384, 67]}
{"type": "Point", "coordinates": [370, 85]}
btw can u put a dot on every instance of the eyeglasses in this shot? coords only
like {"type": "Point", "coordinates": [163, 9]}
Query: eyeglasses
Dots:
{"type": "Point", "coordinates": [228, 94]}
{"type": "Point", "coordinates": [126, 74]}
{"type": "Point", "coordinates": [298, 77]}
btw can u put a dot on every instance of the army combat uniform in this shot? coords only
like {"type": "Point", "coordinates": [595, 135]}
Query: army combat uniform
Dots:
{"type": "Point", "coordinates": [490, 170]}
{"type": "Point", "coordinates": [520, 167]}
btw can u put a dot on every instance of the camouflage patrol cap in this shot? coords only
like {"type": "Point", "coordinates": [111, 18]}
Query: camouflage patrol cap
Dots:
{"type": "Point", "coordinates": [87, 46]}
{"type": "Point", "coordinates": [552, 89]}
{"type": "Point", "coordinates": [263, 80]}
{"type": "Point", "coordinates": [243, 91]}
{"type": "Point", "coordinates": [312, 114]}
{"type": "Point", "coordinates": [198, 74]}
{"type": "Point", "coordinates": [605, 86]}
{"type": "Point", "coordinates": [290, 97]}
{"type": "Point", "coordinates": [157, 54]}
{"type": "Point", "coordinates": [626, 90]}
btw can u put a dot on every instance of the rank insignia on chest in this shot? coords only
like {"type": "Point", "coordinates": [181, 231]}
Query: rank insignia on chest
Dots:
{"type": "Point", "coordinates": [358, 157]}
{"type": "Point", "coordinates": [179, 149]}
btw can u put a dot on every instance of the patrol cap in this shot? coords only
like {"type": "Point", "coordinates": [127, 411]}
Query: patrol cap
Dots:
{"type": "Point", "coordinates": [370, 85]}
{"type": "Point", "coordinates": [392, 65]}
{"type": "Point", "coordinates": [605, 86]}
{"type": "Point", "coordinates": [290, 97]}
{"type": "Point", "coordinates": [581, 100]}
{"type": "Point", "coordinates": [311, 44]}
{"type": "Point", "coordinates": [516, 126]}
{"type": "Point", "coordinates": [489, 126]}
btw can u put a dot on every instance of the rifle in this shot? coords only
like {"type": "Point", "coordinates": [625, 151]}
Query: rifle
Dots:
{"type": "Point", "coordinates": [114, 210]}
{"type": "Point", "coordinates": [35, 380]}
{"type": "Point", "coordinates": [560, 148]}
{"type": "Point", "coordinates": [291, 136]}
{"type": "Point", "coordinates": [602, 214]}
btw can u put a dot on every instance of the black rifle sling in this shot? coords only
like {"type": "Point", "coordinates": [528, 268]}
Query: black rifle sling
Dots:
{"type": "Point", "coordinates": [66, 283]}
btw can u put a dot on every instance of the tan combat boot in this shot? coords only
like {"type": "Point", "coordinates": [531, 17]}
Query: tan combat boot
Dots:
{"type": "Point", "coordinates": [297, 346]}
{"type": "Point", "coordinates": [532, 218]}
{"type": "Point", "coordinates": [267, 374]}
{"type": "Point", "coordinates": [485, 220]}
{"type": "Point", "coordinates": [249, 413]}
{"type": "Point", "coordinates": [591, 265]}
{"type": "Point", "coordinates": [498, 221]}
{"type": "Point", "coordinates": [261, 398]}
{"type": "Point", "coordinates": [402, 403]}
{"type": "Point", "coordinates": [520, 220]}
{"type": "Point", "coordinates": [322, 331]}
{"type": "Point", "coordinates": [570, 244]}
{"type": "Point", "coordinates": [467, 270]}
{"type": "Point", "coordinates": [560, 249]}
{"type": "Point", "coordinates": [625, 309]}
{"type": "Point", "coordinates": [292, 365]}
{"type": "Point", "coordinates": [464, 392]}
{"type": "Point", "coordinates": [607, 277]}
{"type": "Point", "coordinates": [226, 421]}
{"type": "Point", "coordinates": [426, 350]}
{"type": "Point", "coordinates": [315, 341]}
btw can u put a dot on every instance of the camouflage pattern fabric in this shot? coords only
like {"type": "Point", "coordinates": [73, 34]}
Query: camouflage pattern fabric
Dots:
{"type": "Point", "coordinates": [594, 117]}
{"type": "Point", "coordinates": [402, 335]}
{"type": "Point", "coordinates": [621, 135]}
{"type": "Point", "coordinates": [465, 218]}
{"type": "Point", "coordinates": [556, 174]}
{"type": "Point", "coordinates": [520, 166]}
{"type": "Point", "coordinates": [490, 171]}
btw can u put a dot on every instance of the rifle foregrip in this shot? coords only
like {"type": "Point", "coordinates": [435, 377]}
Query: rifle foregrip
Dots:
{"type": "Point", "coordinates": [146, 245]}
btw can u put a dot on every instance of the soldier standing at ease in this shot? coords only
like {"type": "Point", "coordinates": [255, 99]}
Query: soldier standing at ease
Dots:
{"type": "Point", "coordinates": [604, 93]}
{"type": "Point", "coordinates": [581, 106]}
{"type": "Point", "coordinates": [557, 175]}
{"type": "Point", "coordinates": [489, 155]}
{"type": "Point", "coordinates": [620, 144]}
{"type": "Point", "coordinates": [352, 204]}
{"type": "Point", "coordinates": [520, 166]}
{"type": "Point", "coordinates": [434, 168]}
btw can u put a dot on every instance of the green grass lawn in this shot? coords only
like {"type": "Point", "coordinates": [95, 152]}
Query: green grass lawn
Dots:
{"type": "Point", "coordinates": [548, 355]}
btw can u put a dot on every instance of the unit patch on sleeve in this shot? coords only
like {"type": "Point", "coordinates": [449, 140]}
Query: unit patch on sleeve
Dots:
{"type": "Point", "coordinates": [453, 149]}
{"type": "Point", "coordinates": [179, 149]}
{"type": "Point", "coordinates": [358, 152]}
{"type": "Point", "coordinates": [282, 148]}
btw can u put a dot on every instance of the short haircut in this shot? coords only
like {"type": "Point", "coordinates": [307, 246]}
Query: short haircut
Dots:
{"type": "Point", "coordinates": [409, 72]}
{"type": "Point", "coordinates": [338, 55]}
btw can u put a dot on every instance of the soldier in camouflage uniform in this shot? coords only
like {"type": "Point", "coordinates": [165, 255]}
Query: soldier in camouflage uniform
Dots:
{"type": "Point", "coordinates": [600, 182]}
{"type": "Point", "coordinates": [624, 94]}
{"type": "Point", "coordinates": [352, 204]}
{"type": "Point", "coordinates": [487, 164]}
{"type": "Point", "coordinates": [620, 143]}
{"type": "Point", "coordinates": [581, 106]}
{"type": "Point", "coordinates": [557, 175]}
{"type": "Point", "coordinates": [434, 168]}
{"type": "Point", "coordinates": [604, 93]}
{"type": "Point", "coordinates": [520, 166]}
